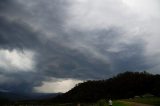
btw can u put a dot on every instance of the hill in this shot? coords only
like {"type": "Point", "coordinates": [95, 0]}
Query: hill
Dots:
{"type": "Point", "coordinates": [122, 86]}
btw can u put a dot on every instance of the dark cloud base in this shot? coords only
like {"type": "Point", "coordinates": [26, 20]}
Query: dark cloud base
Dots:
{"type": "Point", "coordinates": [56, 59]}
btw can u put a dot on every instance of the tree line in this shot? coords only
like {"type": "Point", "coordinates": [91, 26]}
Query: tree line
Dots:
{"type": "Point", "coordinates": [123, 86]}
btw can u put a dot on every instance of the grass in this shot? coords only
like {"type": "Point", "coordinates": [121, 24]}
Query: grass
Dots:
{"type": "Point", "coordinates": [119, 103]}
{"type": "Point", "coordinates": [127, 102]}
{"type": "Point", "coordinates": [150, 100]}
{"type": "Point", "coordinates": [115, 103]}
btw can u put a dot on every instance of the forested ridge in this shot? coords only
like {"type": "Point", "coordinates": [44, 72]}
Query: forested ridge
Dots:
{"type": "Point", "coordinates": [124, 85]}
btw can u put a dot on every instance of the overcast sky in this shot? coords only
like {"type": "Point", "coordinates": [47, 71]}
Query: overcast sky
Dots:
{"type": "Point", "coordinates": [51, 45]}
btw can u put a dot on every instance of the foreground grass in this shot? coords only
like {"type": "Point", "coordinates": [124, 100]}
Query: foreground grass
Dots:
{"type": "Point", "coordinates": [115, 103]}
{"type": "Point", "coordinates": [155, 101]}
{"type": "Point", "coordinates": [151, 100]}
{"type": "Point", "coordinates": [119, 103]}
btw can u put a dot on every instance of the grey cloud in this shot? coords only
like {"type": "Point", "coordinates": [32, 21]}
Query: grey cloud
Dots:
{"type": "Point", "coordinates": [83, 63]}
{"type": "Point", "coordinates": [59, 53]}
{"type": "Point", "coordinates": [72, 64]}
{"type": "Point", "coordinates": [131, 58]}
{"type": "Point", "coordinates": [21, 82]}
{"type": "Point", "coordinates": [16, 35]}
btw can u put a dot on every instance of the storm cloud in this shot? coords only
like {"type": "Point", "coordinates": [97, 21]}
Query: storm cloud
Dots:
{"type": "Point", "coordinates": [75, 40]}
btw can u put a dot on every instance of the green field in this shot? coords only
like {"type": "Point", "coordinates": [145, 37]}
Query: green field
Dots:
{"type": "Point", "coordinates": [151, 100]}
{"type": "Point", "coordinates": [119, 103]}
{"type": "Point", "coordinates": [99, 103]}
{"type": "Point", "coordinates": [104, 103]}
{"type": "Point", "coordinates": [155, 101]}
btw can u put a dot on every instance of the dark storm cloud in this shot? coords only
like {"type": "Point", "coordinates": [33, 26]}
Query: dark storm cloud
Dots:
{"type": "Point", "coordinates": [21, 82]}
{"type": "Point", "coordinates": [122, 56]}
{"type": "Point", "coordinates": [15, 35]}
{"type": "Point", "coordinates": [82, 63]}
{"type": "Point", "coordinates": [4, 4]}
{"type": "Point", "coordinates": [62, 54]}
{"type": "Point", "coordinates": [72, 64]}
{"type": "Point", "coordinates": [131, 58]}
{"type": "Point", "coordinates": [18, 36]}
